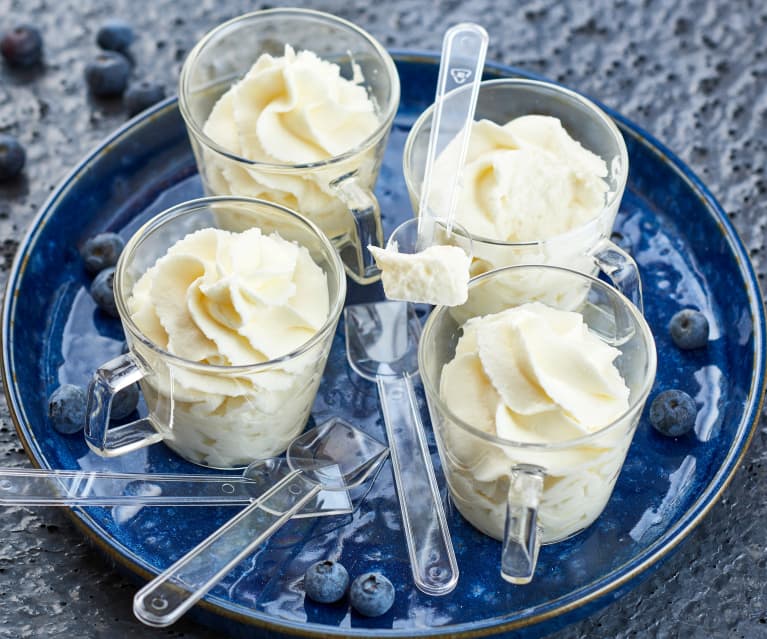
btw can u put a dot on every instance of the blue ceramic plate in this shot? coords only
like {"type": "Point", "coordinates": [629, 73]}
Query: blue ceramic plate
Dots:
{"type": "Point", "coordinates": [688, 253]}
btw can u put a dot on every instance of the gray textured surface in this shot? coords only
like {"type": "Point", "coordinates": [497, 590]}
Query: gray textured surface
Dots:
{"type": "Point", "coordinates": [692, 73]}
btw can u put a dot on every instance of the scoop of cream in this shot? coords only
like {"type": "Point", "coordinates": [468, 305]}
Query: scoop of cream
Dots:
{"type": "Point", "coordinates": [292, 109]}
{"type": "Point", "coordinates": [437, 275]}
{"type": "Point", "coordinates": [526, 180]}
{"type": "Point", "coordinates": [533, 373]}
{"type": "Point", "coordinates": [231, 299]}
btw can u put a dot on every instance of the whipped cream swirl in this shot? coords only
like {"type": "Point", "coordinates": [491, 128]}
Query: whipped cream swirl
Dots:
{"type": "Point", "coordinates": [291, 110]}
{"type": "Point", "coordinates": [525, 180]}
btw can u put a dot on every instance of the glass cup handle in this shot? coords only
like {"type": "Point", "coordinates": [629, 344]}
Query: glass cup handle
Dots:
{"type": "Point", "coordinates": [621, 268]}
{"type": "Point", "coordinates": [107, 381]}
{"type": "Point", "coordinates": [366, 212]}
{"type": "Point", "coordinates": [522, 535]}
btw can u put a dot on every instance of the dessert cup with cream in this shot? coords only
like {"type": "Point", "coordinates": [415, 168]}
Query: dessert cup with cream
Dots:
{"type": "Point", "coordinates": [295, 106]}
{"type": "Point", "coordinates": [542, 183]}
{"type": "Point", "coordinates": [228, 331]}
{"type": "Point", "coordinates": [534, 404]}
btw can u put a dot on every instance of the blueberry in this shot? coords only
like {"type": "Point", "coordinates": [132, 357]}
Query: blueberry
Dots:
{"type": "Point", "coordinates": [12, 157]}
{"type": "Point", "coordinates": [672, 413]}
{"type": "Point", "coordinates": [115, 35]}
{"type": "Point", "coordinates": [66, 408]}
{"type": "Point", "coordinates": [102, 293]}
{"type": "Point", "coordinates": [689, 329]}
{"type": "Point", "coordinates": [143, 95]}
{"type": "Point", "coordinates": [326, 581]}
{"type": "Point", "coordinates": [371, 594]}
{"type": "Point", "coordinates": [23, 46]}
{"type": "Point", "coordinates": [124, 402]}
{"type": "Point", "coordinates": [101, 251]}
{"type": "Point", "coordinates": [107, 75]}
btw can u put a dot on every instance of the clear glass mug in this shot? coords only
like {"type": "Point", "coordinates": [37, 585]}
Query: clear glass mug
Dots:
{"type": "Point", "coordinates": [215, 416]}
{"type": "Point", "coordinates": [337, 193]}
{"type": "Point", "coordinates": [529, 493]}
{"type": "Point", "coordinates": [586, 248]}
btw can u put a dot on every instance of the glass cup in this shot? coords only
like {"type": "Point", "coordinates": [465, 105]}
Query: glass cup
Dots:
{"type": "Point", "coordinates": [213, 415]}
{"type": "Point", "coordinates": [585, 248]}
{"type": "Point", "coordinates": [531, 492]}
{"type": "Point", "coordinates": [336, 193]}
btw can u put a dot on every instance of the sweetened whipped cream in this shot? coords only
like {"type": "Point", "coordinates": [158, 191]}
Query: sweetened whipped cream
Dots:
{"type": "Point", "coordinates": [437, 275]}
{"type": "Point", "coordinates": [232, 299]}
{"type": "Point", "coordinates": [533, 374]}
{"type": "Point", "coordinates": [291, 110]}
{"type": "Point", "coordinates": [522, 181]}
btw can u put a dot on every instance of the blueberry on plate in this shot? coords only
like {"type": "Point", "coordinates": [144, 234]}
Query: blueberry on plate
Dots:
{"type": "Point", "coordinates": [326, 581]}
{"type": "Point", "coordinates": [66, 408]}
{"type": "Point", "coordinates": [22, 46]}
{"type": "Point", "coordinates": [143, 95]}
{"type": "Point", "coordinates": [107, 75]}
{"type": "Point", "coordinates": [689, 329]}
{"type": "Point", "coordinates": [115, 35]}
{"type": "Point", "coordinates": [101, 251]}
{"type": "Point", "coordinates": [672, 413]}
{"type": "Point", "coordinates": [12, 157]}
{"type": "Point", "coordinates": [102, 293]}
{"type": "Point", "coordinates": [124, 402]}
{"type": "Point", "coordinates": [371, 594]}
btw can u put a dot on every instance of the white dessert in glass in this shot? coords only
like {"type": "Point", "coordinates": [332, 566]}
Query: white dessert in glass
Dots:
{"type": "Point", "coordinates": [234, 299]}
{"type": "Point", "coordinates": [534, 374]}
{"type": "Point", "coordinates": [513, 383]}
{"type": "Point", "coordinates": [545, 173]}
{"type": "Point", "coordinates": [295, 106]}
{"type": "Point", "coordinates": [228, 331]}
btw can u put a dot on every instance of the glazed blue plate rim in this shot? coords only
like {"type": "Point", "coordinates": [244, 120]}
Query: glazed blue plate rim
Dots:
{"type": "Point", "coordinates": [575, 599]}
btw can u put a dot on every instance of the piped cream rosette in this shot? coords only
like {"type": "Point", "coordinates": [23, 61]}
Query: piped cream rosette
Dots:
{"type": "Point", "coordinates": [531, 194]}
{"type": "Point", "coordinates": [292, 110]}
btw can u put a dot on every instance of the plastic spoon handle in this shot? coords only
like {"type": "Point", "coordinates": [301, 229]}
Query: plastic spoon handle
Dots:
{"type": "Point", "coordinates": [432, 559]}
{"type": "Point", "coordinates": [463, 59]}
{"type": "Point", "coordinates": [164, 599]}
{"type": "Point", "coordinates": [86, 488]}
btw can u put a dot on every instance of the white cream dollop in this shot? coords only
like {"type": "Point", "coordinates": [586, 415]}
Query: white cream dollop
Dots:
{"type": "Point", "coordinates": [522, 181]}
{"type": "Point", "coordinates": [293, 109]}
{"type": "Point", "coordinates": [232, 299]}
{"type": "Point", "coordinates": [533, 374]}
{"type": "Point", "coordinates": [437, 275]}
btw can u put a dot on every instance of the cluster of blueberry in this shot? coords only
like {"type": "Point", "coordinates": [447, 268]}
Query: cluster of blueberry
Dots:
{"type": "Point", "coordinates": [371, 594]}
{"type": "Point", "coordinates": [67, 404]}
{"type": "Point", "coordinates": [673, 411]}
{"type": "Point", "coordinates": [107, 75]}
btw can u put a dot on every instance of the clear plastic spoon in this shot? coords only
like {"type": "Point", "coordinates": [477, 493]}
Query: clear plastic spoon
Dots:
{"type": "Point", "coordinates": [37, 487]}
{"type": "Point", "coordinates": [332, 456]}
{"type": "Point", "coordinates": [463, 58]}
{"type": "Point", "coordinates": [381, 346]}
{"type": "Point", "coordinates": [440, 276]}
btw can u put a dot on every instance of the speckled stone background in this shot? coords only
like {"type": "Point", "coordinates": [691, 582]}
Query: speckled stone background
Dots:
{"type": "Point", "coordinates": [694, 74]}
